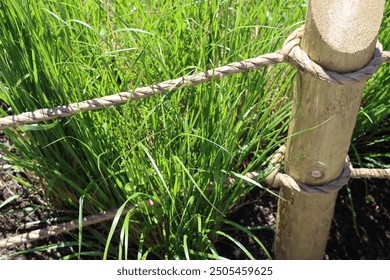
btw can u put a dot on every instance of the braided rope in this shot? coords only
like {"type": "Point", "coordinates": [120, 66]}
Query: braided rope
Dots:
{"type": "Point", "coordinates": [335, 185]}
{"type": "Point", "coordinates": [298, 58]}
{"type": "Point", "coordinates": [274, 180]}
{"type": "Point", "coordinates": [291, 53]}
{"type": "Point", "coordinates": [370, 173]}
{"type": "Point", "coordinates": [140, 93]}
{"type": "Point", "coordinates": [57, 229]}
{"type": "Point", "coordinates": [386, 56]}
{"type": "Point", "coordinates": [277, 179]}
{"type": "Point", "coordinates": [38, 234]}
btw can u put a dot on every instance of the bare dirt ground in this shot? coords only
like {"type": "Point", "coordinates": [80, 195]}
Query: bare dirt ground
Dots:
{"type": "Point", "coordinates": [360, 228]}
{"type": "Point", "coordinates": [25, 212]}
{"type": "Point", "coordinates": [364, 235]}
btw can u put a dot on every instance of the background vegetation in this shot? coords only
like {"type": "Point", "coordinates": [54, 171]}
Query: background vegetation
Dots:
{"type": "Point", "coordinates": [169, 148]}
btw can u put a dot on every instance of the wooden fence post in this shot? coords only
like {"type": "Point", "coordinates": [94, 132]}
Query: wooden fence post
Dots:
{"type": "Point", "coordinates": [341, 36]}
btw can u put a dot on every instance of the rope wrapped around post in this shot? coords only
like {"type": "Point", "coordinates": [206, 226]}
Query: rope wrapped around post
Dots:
{"type": "Point", "coordinates": [275, 180]}
{"type": "Point", "coordinates": [290, 53]}
{"type": "Point", "coordinates": [294, 55]}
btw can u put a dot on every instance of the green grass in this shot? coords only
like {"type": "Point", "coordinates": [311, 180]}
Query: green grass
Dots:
{"type": "Point", "coordinates": [167, 148]}
{"type": "Point", "coordinates": [372, 131]}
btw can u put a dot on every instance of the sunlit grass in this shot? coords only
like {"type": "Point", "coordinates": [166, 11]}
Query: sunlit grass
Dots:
{"type": "Point", "coordinates": [167, 148]}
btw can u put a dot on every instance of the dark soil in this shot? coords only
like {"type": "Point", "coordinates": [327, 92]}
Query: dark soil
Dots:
{"type": "Point", "coordinates": [360, 228]}
{"type": "Point", "coordinates": [26, 212]}
{"type": "Point", "coordinates": [22, 215]}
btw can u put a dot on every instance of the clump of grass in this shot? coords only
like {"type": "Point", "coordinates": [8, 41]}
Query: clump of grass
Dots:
{"type": "Point", "coordinates": [372, 129]}
{"type": "Point", "coordinates": [169, 148]}
{"type": "Point", "coordinates": [369, 148]}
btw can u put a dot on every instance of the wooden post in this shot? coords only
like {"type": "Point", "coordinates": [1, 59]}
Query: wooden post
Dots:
{"type": "Point", "coordinates": [340, 35]}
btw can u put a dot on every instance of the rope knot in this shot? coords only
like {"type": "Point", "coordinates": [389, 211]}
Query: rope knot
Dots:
{"type": "Point", "coordinates": [293, 54]}
{"type": "Point", "coordinates": [277, 179]}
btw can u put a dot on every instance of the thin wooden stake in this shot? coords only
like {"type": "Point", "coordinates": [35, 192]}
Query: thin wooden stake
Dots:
{"type": "Point", "coordinates": [340, 35]}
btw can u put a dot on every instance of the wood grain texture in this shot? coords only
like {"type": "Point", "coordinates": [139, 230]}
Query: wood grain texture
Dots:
{"type": "Point", "coordinates": [341, 36]}
{"type": "Point", "coordinates": [325, 114]}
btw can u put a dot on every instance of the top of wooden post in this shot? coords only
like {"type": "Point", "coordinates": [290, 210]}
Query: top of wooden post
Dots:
{"type": "Point", "coordinates": [342, 32]}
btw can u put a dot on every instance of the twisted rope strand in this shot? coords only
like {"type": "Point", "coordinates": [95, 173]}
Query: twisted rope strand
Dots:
{"type": "Point", "coordinates": [274, 180]}
{"type": "Point", "coordinates": [140, 93]}
{"type": "Point", "coordinates": [299, 59]}
{"type": "Point", "coordinates": [290, 53]}
{"type": "Point", "coordinates": [370, 173]}
{"type": "Point", "coordinates": [386, 57]}
{"type": "Point", "coordinates": [57, 229]}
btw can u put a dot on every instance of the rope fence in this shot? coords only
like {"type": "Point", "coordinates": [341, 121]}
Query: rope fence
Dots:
{"type": "Point", "coordinates": [290, 53]}
{"type": "Point", "coordinates": [275, 180]}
